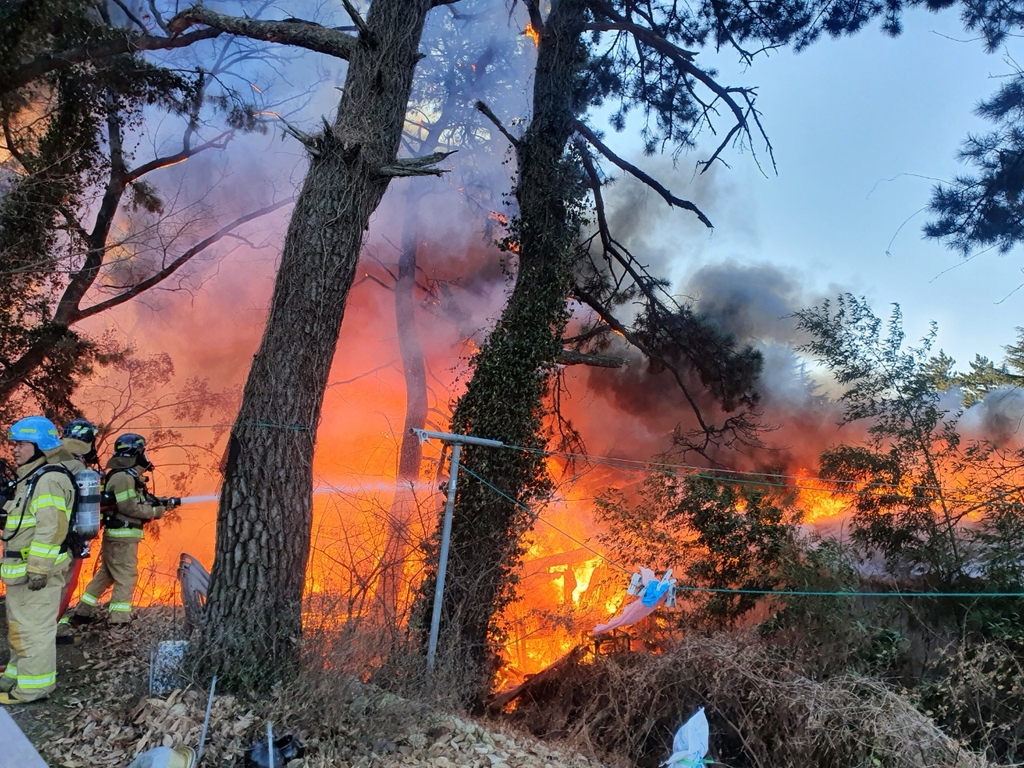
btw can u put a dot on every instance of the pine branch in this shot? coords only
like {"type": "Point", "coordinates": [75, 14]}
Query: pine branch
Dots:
{"type": "Point", "coordinates": [572, 357]}
{"type": "Point", "coordinates": [302, 34]}
{"type": "Point", "coordinates": [608, 318]}
{"type": "Point", "coordinates": [116, 46]}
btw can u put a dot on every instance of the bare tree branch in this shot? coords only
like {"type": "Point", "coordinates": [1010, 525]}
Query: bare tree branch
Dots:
{"type": "Point", "coordinates": [497, 123]}
{"type": "Point", "coordinates": [572, 357]}
{"type": "Point", "coordinates": [364, 31]}
{"type": "Point", "coordinates": [220, 142]}
{"type": "Point", "coordinates": [683, 59]}
{"type": "Point", "coordinates": [646, 178]}
{"type": "Point", "coordinates": [179, 262]}
{"type": "Point", "coordinates": [535, 18]}
{"type": "Point", "coordinates": [417, 166]}
{"type": "Point", "coordinates": [600, 329]}
{"type": "Point", "coordinates": [131, 16]}
{"type": "Point", "coordinates": [303, 34]}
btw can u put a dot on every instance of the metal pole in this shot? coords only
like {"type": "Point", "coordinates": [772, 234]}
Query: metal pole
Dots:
{"type": "Point", "coordinates": [206, 720]}
{"type": "Point", "coordinates": [457, 442]}
{"type": "Point", "coordinates": [442, 566]}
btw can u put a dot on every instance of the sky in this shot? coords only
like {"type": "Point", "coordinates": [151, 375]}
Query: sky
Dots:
{"type": "Point", "coordinates": [862, 128]}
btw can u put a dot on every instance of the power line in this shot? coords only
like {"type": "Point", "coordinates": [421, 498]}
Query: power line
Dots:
{"type": "Point", "coordinates": [756, 479]}
{"type": "Point", "coordinates": [739, 591]}
{"type": "Point", "coordinates": [536, 516]}
{"type": "Point", "coordinates": [728, 476]}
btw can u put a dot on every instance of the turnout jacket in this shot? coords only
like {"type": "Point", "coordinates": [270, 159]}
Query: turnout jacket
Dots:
{"type": "Point", "coordinates": [36, 526]}
{"type": "Point", "coordinates": [68, 453]}
{"type": "Point", "coordinates": [134, 505]}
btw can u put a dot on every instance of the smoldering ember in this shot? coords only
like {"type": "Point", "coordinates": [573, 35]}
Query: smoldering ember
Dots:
{"type": "Point", "coordinates": [505, 383]}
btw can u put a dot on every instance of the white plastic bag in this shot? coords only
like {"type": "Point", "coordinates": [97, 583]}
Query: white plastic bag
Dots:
{"type": "Point", "coordinates": [690, 743]}
{"type": "Point", "coordinates": [165, 757]}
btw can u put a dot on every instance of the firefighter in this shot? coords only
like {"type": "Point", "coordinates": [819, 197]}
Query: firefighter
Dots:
{"type": "Point", "coordinates": [77, 452]}
{"type": "Point", "coordinates": [78, 444]}
{"type": "Point", "coordinates": [122, 531]}
{"type": "Point", "coordinates": [34, 565]}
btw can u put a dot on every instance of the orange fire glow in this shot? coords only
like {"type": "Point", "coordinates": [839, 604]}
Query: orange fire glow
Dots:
{"type": "Point", "coordinates": [817, 500]}
{"type": "Point", "coordinates": [532, 33]}
{"type": "Point", "coordinates": [566, 585]}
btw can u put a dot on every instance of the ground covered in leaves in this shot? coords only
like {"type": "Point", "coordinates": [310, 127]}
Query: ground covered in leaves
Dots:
{"type": "Point", "coordinates": [103, 715]}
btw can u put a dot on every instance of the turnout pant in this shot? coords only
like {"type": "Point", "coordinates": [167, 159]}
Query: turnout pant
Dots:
{"type": "Point", "coordinates": [119, 567]}
{"type": "Point", "coordinates": [32, 636]}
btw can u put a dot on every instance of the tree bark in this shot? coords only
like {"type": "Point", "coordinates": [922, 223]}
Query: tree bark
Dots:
{"type": "Point", "coordinates": [265, 514]}
{"type": "Point", "coordinates": [411, 452]}
{"type": "Point", "coordinates": [504, 398]}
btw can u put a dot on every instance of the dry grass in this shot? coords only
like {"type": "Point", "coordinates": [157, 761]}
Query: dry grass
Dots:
{"type": "Point", "coordinates": [763, 712]}
{"type": "Point", "coordinates": [103, 716]}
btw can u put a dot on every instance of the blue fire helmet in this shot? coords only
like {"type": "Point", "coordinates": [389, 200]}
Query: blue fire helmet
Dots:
{"type": "Point", "coordinates": [35, 429]}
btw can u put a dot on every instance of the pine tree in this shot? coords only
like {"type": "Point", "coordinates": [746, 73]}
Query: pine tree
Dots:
{"type": "Point", "coordinates": [638, 55]}
{"type": "Point", "coordinates": [985, 209]}
{"type": "Point", "coordinates": [254, 611]}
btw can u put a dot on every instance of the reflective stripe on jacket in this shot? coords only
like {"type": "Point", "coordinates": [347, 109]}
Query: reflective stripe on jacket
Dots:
{"type": "Point", "coordinates": [36, 530]}
{"type": "Point", "coordinates": [132, 507]}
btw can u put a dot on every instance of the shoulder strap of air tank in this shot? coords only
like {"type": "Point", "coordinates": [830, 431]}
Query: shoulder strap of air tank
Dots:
{"type": "Point", "coordinates": [129, 470]}
{"type": "Point", "coordinates": [45, 470]}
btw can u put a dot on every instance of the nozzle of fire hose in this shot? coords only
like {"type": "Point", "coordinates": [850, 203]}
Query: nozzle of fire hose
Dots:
{"type": "Point", "coordinates": [171, 502]}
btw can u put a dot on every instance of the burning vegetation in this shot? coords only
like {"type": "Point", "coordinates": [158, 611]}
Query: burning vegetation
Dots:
{"type": "Point", "coordinates": [831, 597]}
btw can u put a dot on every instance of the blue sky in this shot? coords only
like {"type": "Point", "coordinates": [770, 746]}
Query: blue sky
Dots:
{"type": "Point", "coordinates": [856, 123]}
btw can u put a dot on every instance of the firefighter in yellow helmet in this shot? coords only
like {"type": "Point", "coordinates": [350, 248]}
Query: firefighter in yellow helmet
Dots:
{"type": "Point", "coordinates": [77, 452]}
{"type": "Point", "coordinates": [34, 560]}
{"type": "Point", "coordinates": [122, 531]}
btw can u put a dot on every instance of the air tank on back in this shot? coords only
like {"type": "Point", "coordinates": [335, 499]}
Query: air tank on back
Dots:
{"type": "Point", "coordinates": [87, 522]}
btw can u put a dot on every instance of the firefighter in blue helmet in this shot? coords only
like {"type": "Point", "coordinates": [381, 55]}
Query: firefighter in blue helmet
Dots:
{"type": "Point", "coordinates": [133, 506]}
{"type": "Point", "coordinates": [35, 560]}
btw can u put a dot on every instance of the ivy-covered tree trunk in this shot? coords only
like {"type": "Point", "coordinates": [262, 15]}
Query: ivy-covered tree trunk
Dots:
{"type": "Point", "coordinates": [504, 398]}
{"type": "Point", "coordinates": [254, 612]}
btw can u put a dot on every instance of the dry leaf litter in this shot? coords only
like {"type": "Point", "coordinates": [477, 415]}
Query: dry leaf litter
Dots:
{"type": "Point", "coordinates": [107, 719]}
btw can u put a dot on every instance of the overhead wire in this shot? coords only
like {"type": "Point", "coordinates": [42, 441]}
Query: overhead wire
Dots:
{"type": "Point", "coordinates": [736, 477]}
{"type": "Point", "coordinates": [753, 478]}
{"type": "Point", "coordinates": [731, 476]}
{"type": "Point", "coordinates": [740, 591]}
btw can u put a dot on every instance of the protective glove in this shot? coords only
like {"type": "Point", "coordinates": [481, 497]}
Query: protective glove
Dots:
{"type": "Point", "coordinates": [36, 581]}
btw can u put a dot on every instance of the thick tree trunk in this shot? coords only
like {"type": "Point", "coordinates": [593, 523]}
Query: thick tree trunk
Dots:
{"type": "Point", "coordinates": [504, 399]}
{"type": "Point", "coordinates": [396, 545]}
{"type": "Point", "coordinates": [254, 612]}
